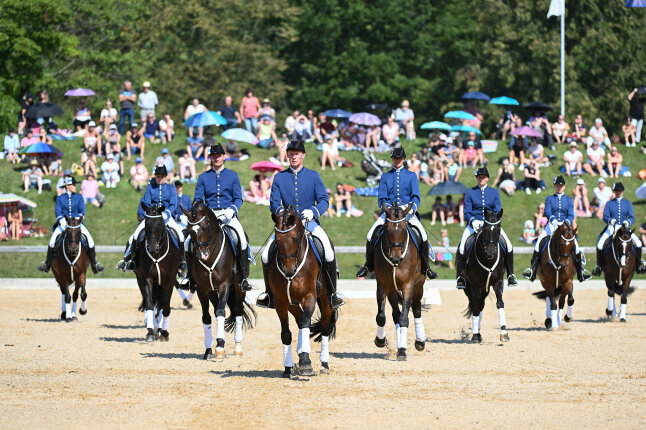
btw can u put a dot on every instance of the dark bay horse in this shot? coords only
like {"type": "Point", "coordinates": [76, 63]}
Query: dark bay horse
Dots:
{"type": "Point", "coordinates": [156, 267]}
{"type": "Point", "coordinates": [298, 284]}
{"type": "Point", "coordinates": [619, 269]}
{"type": "Point", "coordinates": [485, 268]}
{"type": "Point", "coordinates": [398, 269]}
{"type": "Point", "coordinates": [214, 272]}
{"type": "Point", "coordinates": [556, 272]}
{"type": "Point", "coordinates": [69, 267]}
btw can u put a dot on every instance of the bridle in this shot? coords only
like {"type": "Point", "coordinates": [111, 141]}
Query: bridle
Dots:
{"type": "Point", "coordinates": [623, 257]}
{"type": "Point", "coordinates": [155, 260]}
{"type": "Point", "coordinates": [391, 245]}
{"type": "Point", "coordinates": [480, 237]}
{"type": "Point", "coordinates": [560, 256]}
{"type": "Point", "coordinates": [71, 263]}
{"type": "Point", "coordinates": [280, 256]}
{"type": "Point", "coordinates": [207, 244]}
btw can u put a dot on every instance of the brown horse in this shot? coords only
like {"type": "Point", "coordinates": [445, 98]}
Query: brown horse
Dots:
{"type": "Point", "coordinates": [398, 269]}
{"type": "Point", "coordinates": [216, 277]}
{"type": "Point", "coordinates": [298, 284]}
{"type": "Point", "coordinates": [69, 266]}
{"type": "Point", "coordinates": [619, 269]}
{"type": "Point", "coordinates": [556, 272]}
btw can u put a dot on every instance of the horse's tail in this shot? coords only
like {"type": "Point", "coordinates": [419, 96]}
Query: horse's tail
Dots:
{"type": "Point", "coordinates": [316, 328]}
{"type": "Point", "coordinates": [468, 313]}
{"type": "Point", "coordinates": [619, 289]}
{"type": "Point", "coordinates": [142, 306]}
{"type": "Point", "coordinates": [249, 315]}
{"type": "Point", "coordinates": [542, 295]}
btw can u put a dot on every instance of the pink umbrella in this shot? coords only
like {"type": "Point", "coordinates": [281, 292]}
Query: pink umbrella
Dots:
{"type": "Point", "coordinates": [264, 166]}
{"type": "Point", "coordinates": [80, 92]}
{"type": "Point", "coordinates": [365, 118]}
{"type": "Point", "coordinates": [526, 131]}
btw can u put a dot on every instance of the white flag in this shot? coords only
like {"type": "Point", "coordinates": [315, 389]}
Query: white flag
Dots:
{"type": "Point", "coordinates": [557, 8]}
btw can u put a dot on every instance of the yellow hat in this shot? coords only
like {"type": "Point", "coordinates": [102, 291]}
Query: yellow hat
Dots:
{"type": "Point", "coordinates": [405, 103]}
{"type": "Point", "coordinates": [146, 84]}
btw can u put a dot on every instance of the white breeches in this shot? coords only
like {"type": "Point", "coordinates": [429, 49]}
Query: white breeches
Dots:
{"type": "Point", "coordinates": [548, 231]}
{"type": "Point", "coordinates": [470, 230]}
{"type": "Point", "coordinates": [610, 231]}
{"type": "Point", "coordinates": [170, 222]}
{"type": "Point", "coordinates": [59, 230]}
{"type": "Point", "coordinates": [235, 224]}
{"type": "Point", "coordinates": [317, 231]}
{"type": "Point", "coordinates": [410, 219]}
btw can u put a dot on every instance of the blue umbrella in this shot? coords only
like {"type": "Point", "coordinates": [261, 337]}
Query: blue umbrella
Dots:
{"type": "Point", "coordinates": [475, 95]}
{"type": "Point", "coordinates": [505, 101]}
{"type": "Point", "coordinates": [460, 114]}
{"type": "Point", "coordinates": [466, 129]}
{"type": "Point", "coordinates": [204, 119]}
{"type": "Point", "coordinates": [240, 135]}
{"type": "Point", "coordinates": [435, 125]}
{"type": "Point", "coordinates": [635, 3]}
{"type": "Point", "coordinates": [337, 113]}
{"type": "Point", "coordinates": [448, 188]}
{"type": "Point", "coordinates": [40, 148]}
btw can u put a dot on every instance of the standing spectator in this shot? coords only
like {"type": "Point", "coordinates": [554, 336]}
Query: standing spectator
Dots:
{"type": "Point", "coordinates": [266, 134]}
{"type": "Point", "coordinates": [108, 116]}
{"type": "Point", "coordinates": [581, 202]}
{"type": "Point", "coordinates": [167, 161]}
{"type": "Point", "coordinates": [405, 118]}
{"type": "Point", "coordinates": [629, 131]}
{"type": "Point", "coordinates": [167, 128]}
{"type": "Point", "coordinates": [473, 110]}
{"type": "Point", "coordinates": [598, 134]}
{"type": "Point", "coordinates": [135, 142]}
{"type": "Point", "coordinates": [33, 177]}
{"type": "Point", "coordinates": [11, 145]}
{"type": "Point", "coordinates": [267, 110]}
{"type": "Point", "coordinates": [138, 175]}
{"type": "Point", "coordinates": [82, 116]}
{"type": "Point", "coordinates": [127, 99]}
{"type": "Point", "coordinates": [529, 234]}
{"type": "Point", "coordinates": [230, 113]}
{"type": "Point", "coordinates": [249, 107]}
{"type": "Point", "coordinates": [505, 178]}
{"type": "Point", "coordinates": [147, 102]}
{"type": "Point", "coordinates": [150, 129]}
{"type": "Point", "coordinates": [343, 198]}
{"type": "Point", "coordinates": [601, 195]}
{"type": "Point", "coordinates": [22, 119]}
{"type": "Point", "coordinates": [596, 157]}
{"type": "Point", "coordinates": [438, 211]}
{"type": "Point", "coordinates": [573, 159]}
{"type": "Point", "coordinates": [614, 162]}
{"type": "Point", "coordinates": [14, 218]}
{"type": "Point", "coordinates": [636, 113]}
{"type": "Point", "coordinates": [390, 132]}
{"type": "Point", "coordinates": [186, 168]}
{"type": "Point", "coordinates": [89, 190]}
{"type": "Point", "coordinates": [532, 178]}
{"type": "Point", "coordinates": [192, 109]}
{"type": "Point", "coordinates": [110, 170]}
{"type": "Point", "coordinates": [561, 129]}
{"type": "Point", "coordinates": [447, 256]}
{"type": "Point", "coordinates": [92, 141]}
{"type": "Point", "coordinates": [184, 201]}
{"type": "Point", "coordinates": [29, 139]}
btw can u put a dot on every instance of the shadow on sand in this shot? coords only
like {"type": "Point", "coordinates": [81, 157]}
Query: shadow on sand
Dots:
{"type": "Point", "coordinates": [123, 339]}
{"type": "Point", "coordinates": [359, 355]}
{"type": "Point", "coordinates": [270, 374]}
{"type": "Point", "coordinates": [44, 320]}
{"type": "Point", "coordinates": [122, 327]}
{"type": "Point", "coordinates": [171, 355]}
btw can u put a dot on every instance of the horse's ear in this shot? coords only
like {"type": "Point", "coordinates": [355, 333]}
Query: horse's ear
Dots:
{"type": "Point", "coordinates": [575, 229]}
{"type": "Point", "coordinates": [632, 231]}
{"type": "Point", "coordinates": [162, 208]}
{"type": "Point", "coordinates": [499, 215]}
{"type": "Point", "coordinates": [185, 212]}
{"type": "Point", "coordinates": [291, 219]}
{"type": "Point", "coordinates": [385, 208]}
{"type": "Point", "coordinates": [69, 220]}
{"type": "Point", "coordinates": [410, 206]}
{"type": "Point", "coordinates": [144, 206]}
{"type": "Point", "coordinates": [274, 218]}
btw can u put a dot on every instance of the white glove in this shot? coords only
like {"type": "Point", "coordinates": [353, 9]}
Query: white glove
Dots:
{"type": "Point", "coordinates": [307, 215]}
{"type": "Point", "coordinates": [476, 224]}
{"type": "Point", "coordinates": [613, 221]}
{"type": "Point", "coordinates": [165, 215]}
{"type": "Point", "coordinates": [63, 223]}
{"type": "Point", "coordinates": [228, 213]}
{"type": "Point", "coordinates": [626, 223]}
{"type": "Point", "coordinates": [183, 219]}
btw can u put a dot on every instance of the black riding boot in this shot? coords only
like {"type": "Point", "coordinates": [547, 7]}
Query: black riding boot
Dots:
{"type": "Point", "coordinates": [597, 269]}
{"type": "Point", "coordinates": [530, 273]}
{"type": "Point", "coordinates": [182, 270]}
{"type": "Point", "coordinates": [45, 265]}
{"type": "Point", "coordinates": [128, 262]}
{"type": "Point", "coordinates": [96, 266]}
{"type": "Point", "coordinates": [459, 271]}
{"type": "Point", "coordinates": [509, 265]}
{"type": "Point", "coordinates": [641, 268]}
{"type": "Point", "coordinates": [581, 274]}
{"type": "Point", "coordinates": [370, 261]}
{"type": "Point", "coordinates": [243, 261]}
{"type": "Point", "coordinates": [334, 299]}
{"type": "Point", "coordinates": [426, 265]}
{"type": "Point", "coordinates": [266, 301]}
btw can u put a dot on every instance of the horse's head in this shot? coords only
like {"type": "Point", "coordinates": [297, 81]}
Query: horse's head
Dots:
{"type": "Point", "coordinates": [566, 235]}
{"type": "Point", "coordinates": [289, 232]}
{"type": "Point", "coordinates": [73, 235]}
{"type": "Point", "coordinates": [396, 232]}
{"type": "Point", "coordinates": [491, 233]}
{"type": "Point", "coordinates": [154, 227]}
{"type": "Point", "coordinates": [203, 228]}
{"type": "Point", "coordinates": [621, 244]}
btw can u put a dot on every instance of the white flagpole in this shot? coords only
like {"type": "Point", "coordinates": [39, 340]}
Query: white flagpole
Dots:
{"type": "Point", "coordinates": [563, 60]}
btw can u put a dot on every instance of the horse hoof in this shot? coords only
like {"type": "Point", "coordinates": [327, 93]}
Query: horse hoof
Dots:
{"type": "Point", "coordinates": [287, 373]}
{"type": "Point", "coordinates": [207, 353]}
{"type": "Point", "coordinates": [63, 315]}
{"type": "Point", "coordinates": [380, 342]}
{"type": "Point", "coordinates": [164, 336]}
{"type": "Point", "coordinates": [237, 350]}
{"type": "Point", "coordinates": [306, 370]}
{"type": "Point", "coordinates": [419, 345]}
{"type": "Point", "coordinates": [82, 312]}
{"type": "Point", "coordinates": [504, 337]}
{"type": "Point", "coordinates": [548, 322]}
{"type": "Point", "coordinates": [567, 318]}
{"type": "Point", "coordinates": [476, 338]}
{"type": "Point", "coordinates": [69, 320]}
{"type": "Point", "coordinates": [74, 318]}
{"type": "Point", "coordinates": [622, 319]}
{"type": "Point", "coordinates": [325, 368]}
{"type": "Point", "coordinates": [608, 313]}
{"type": "Point", "coordinates": [219, 353]}
{"type": "Point", "coordinates": [401, 354]}
{"type": "Point", "coordinates": [150, 335]}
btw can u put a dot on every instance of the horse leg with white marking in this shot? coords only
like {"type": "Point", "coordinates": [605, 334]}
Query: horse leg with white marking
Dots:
{"type": "Point", "coordinates": [220, 313]}
{"type": "Point", "coordinates": [149, 308]}
{"type": "Point", "coordinates": [504, 336]}
{"type": "Point", "coordinates": [551, 322]}
{"type": "Point", "coordinates": [83, 308]}
{"type": "Point", "coordinates": [325, 327]}
{"type": "Point", "coordinates": [402, 333]}
{"type": "Point", "coordinates": [206, 323]}
{"type": "Point", "coordinates": [624, 297]}
{"type": "Point", "coordinates": [476, 305]}
{"type": "Point", "coordinates": [611, 310]}
{"type": "Point", "coordinates": [393, 299]}
{"type": "Point", "coordinates": [165, 311]}
{"type": "Point", "coordinates": [286, 339]}
{"type": "Point", "coordinates": [570, 306]}
{"type": "Point", "coordinates": [75, 297]}
{"type": "Point", "coordinates": [66, 303]}
{"type": "Point", "coordinates": [380, 338]}
{"type": "Point", "coordinates": [420, 335]}
{"type": "Point", "coordinates": [303, 349]}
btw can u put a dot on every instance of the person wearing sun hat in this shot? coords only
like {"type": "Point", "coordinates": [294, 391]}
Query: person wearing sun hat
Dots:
{"type": "Point", "coordinates": [69, 205]}
{"type": "Point", "coordinates": [404, 116]}
{"type": "Point", "coordinates": [147, 101]}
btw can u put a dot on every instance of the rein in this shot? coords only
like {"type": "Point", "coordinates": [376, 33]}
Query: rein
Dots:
{"type": "Point", "coordinates": [495, 264]}
{"type": "Point", "coordinates": [280, 256]}
{"type": "Point", "coordinates": [394, 245]}
{"type": "Point", "coordinates": [558, 268]}
{"type": "Point", "coordinates": [71, 263]}
{"type": "Point", "coordinates": [157, 260]}
{"type": "Point", "coordinates": [207, 244]}
{"type": "Point", "coordinates": [622, 263]}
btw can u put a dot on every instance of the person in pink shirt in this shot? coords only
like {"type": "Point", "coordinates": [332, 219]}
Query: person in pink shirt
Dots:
{"type": "Point", "coordinates": [89, 190]}
{"type": "Point", "coordinates": [29, 139]}
{"type": "Point", "coordinates": [249, 107]}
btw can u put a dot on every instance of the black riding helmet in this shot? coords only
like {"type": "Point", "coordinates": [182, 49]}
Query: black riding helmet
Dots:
{"type": "Point", "coordinates": [216, 148]}
{"type": "Point", "coordinates": [161, 170]}
{"type": "Point", "coordinates": [482, 171]}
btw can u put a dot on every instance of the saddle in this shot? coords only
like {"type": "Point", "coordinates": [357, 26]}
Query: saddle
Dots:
{"type": "Point", "coordinates": [315, 243]}
{"type": "Point", "coordinates": [173, 235]}
{"type": "Point", "coordinates": [413, 232]}
{"type": "Point", "coordinates": [471, 240]}
{"type": "Point", "coordinates": [61, 237]}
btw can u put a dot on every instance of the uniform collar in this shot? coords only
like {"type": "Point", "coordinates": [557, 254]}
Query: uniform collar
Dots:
{"type": "Point", "coordinates": [559, 195]}
{"type": "Point", "coordinates": [619, 198]}
{"type": "Point", "coordinates": [180, 194]}
{"type": "Point", "coordinates": [219, 170]}
{"type": "Point", "coordinates": [297, 170]}
{"type": "Point", "coordinates": [482, 188]}
{"type": "Point", "coordinates": [400, 168]}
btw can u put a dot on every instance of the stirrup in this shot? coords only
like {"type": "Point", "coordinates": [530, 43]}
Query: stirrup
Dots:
{"type": "Point", "coordinates": [596, 271]}
{"type": "Point", "coordinates": [511, 281]}
{"type": "Point", "coordinates": [527, 273]}
{"type": "Point", "coordinates": [363, 272]}
{"type": "Point", "coordinates": [430, 274]}
{"type": "Point", "coordinates": [98, 267]}
{"type": "Point", "coordinates": [460, 283]}
{"type": "Point", "coordinates": [264, 301]}
{"type": "Point", "coordinates": [585, 275]}
{"type": "Point", "coordinates": [245, 285]}
{"type": "Point", "coordinates": [43, 267]}
{"type": "Point", "coordinates": [336, 301]}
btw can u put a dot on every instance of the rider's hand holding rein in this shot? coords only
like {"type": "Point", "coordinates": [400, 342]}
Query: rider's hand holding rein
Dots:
{"type": "Point", "coordinates": [308, 215]}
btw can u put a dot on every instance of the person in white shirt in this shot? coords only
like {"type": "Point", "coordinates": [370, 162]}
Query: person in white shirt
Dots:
{"type": "Point", "coordinates": [404, 116]}
{"type": "Point", "coordinates": [12, 145]}
{"type": "Point", "coordinates": [601, 196]}
{"type": "Point", "coordinates": [187, 168]}
{"type": "Point", "coordinates": [192, 109]}
{"type": "Point", "coordinates": [573, 159]}
{"type": "Point", "coordinates": [167, 128]}
{"type": "Point", "coordinates": [290, 121]}
{"type": "Point", "coordinates": [110, 169]}
{"type": "Point", "coordinates": [596, 156]}
{"type": "Point", "coordinates": [108, 116]}
{"type": "Point", "coordinates": [598, 134]}
{"type": "Point", "coordinates": [147, 102]}
{"type": "Point", "coordinates": [537, 152]}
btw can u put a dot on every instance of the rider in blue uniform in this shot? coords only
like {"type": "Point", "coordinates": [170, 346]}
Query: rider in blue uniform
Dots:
{"type": "Point", "coordinates": [476, 201]}
{"type": "Point", "coordinates": [70, 205]}
{"type": "Point", "coordinates": [220, 188]}
{"type": "Point", "coordinates": [401, 187]}
{"type": "Point", "coordinates": [618, 212]}
{"type": "Point", "coordinates": [183, 201]}
{"type": "Point", "coordinates": [559, 209]}
{"type": "Point", "coordinates": [304, 190]}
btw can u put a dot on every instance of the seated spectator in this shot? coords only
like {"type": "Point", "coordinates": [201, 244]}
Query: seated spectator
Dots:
{"type": "Point", "coordinates": [290, 122]}
{"type": "Point", "coordinates": [438, 211]}
{"type": "Point", "coordinates": [505, 178]}
{"type": "Point", "coordinates": [450, 210]}
{"type": "Point", "coordinates": [598, 134]}
{"type": "Point", "coordinates": [44, 137]}
{"type": "Point", "coordinates": [601, 195]}
{"type": "Point", "coordinates": [532, 178]}
{"type": "Point", "coordinates": [452, 171]}
{"type": "Point", "coordinates": [197, 148]}
{"type": "Point", "coordinates": [50, 164]}
{"type": "Point", "coordinates": [390, 133]}
{"type": "Point", "coordinates": [506, 124]}
{"type": "Point", "coordinates": [12, 145]}
{"type": "Point", "coordinates": [469, 156]}
{"type": "Point", "coordinates": [259, 188]}
{"type": "Point", "coordinates": [89, 190]}
{"type": "Point", "coordinates": [82, 116]}
{"type": "Point", "coordinates": [580, 130]}
{"type": "Point", "coordinates": [4, 227]}
{"type": "Point", "coordinates": [539, 216]}
{"type": "Point", "coordinates": [540, 123]}
{"type": "Point", "coordinates": [614, 162]}
{"type": "Point", "coordinates": [596, 156]}
{"type": "Point", "coordinates": [139, 175]}
{"type": "Point", "coordinates": [581, 202]}
{"type": "Point", "coordinates": [135, 142]}
{"type": "Point", "coordinates": [312, 121]}
{"type": "Point", "coordinates": [230, 113]}
{"type": "Point", "coordinates": [186, 168]}
{"type": "Point", "coordinates": [642, 232]}
{"type": "Point", "coordinates": [266, 133]}
{"type": "Point", "coordinates": [560, 129]}
{"type": "Point", "coordinates": [14, 218]}
{"type": "Point", "coordinates": [302, 129]}
{"type": "Point", "coordinates": [167, 161]}
{"type": "Point", "coordinates": [536, 152]}
{"type": "Point", "coordinates": [573, 159]}
{"type": "Point", "coordinates": [112, 139]}
{"type": "Point", "coordinates": [471, 108]}
{"type": "Point", "coordinates": [629, 131]}
{"type": "Point", "coordinates": [282, 149]}
{"type": "Point", "coordinates": [438, 172]}
{"type": "Point", "coordinates": [110, 170]}
{"type": "Point", "coordinates": [461, 210]}
{"type": "Point", "coordinates": [150, 128]}
{"type": "Point", "coordinates": [446, 256]}
{"type": "Point", "coordinates": [192, 109]}
{"type": "Point", "coordinates": [29, 139]}
{"type": "Point", "coordinates": [529, 234]}
{"type": "Point", "coordinates": [267, 110]}
{"type": "Point", "coordinates": [167, 128]}
{"type": "Point", "coordinates": [33, 177]}
{"type": "Point", "coordinates": [108, 116]}
{"type": "Point", "coordinates": [88, 162]}
{"type": "Point", "coordinates": [231, 149]}
{"type": "Point", "coordinates": [326, 127]}
{"type": "Point", "coordinates": [372, 137]}
{"type": "Point", "coordinates": [330, 152]}
{"type": "Point", "coordinates": [405, 117]}
{"type": "Point", "coordinates": [472, 136]}
{"type": "Point", "coordinates": [414, 164]}
{"type": "Point", "coordinates": [92, 141]}
{"type": "Point", "coordinates": [343, 198]}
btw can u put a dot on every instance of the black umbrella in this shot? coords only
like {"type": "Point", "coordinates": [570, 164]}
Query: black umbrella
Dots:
{"type": "Point", "coordinates": [44, 110]}
{"type": "Point", "coordinates": [537, 106]}
{"type": "Point", "coordinates": [448, 188]}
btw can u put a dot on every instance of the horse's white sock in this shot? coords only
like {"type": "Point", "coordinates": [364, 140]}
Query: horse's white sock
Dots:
{"type": "Point", "coordinates": [189, 297]}
{"type": "Point", "coordinates": [181, 293]}
{"type": "Point", "coordinates": [238, 333]}
{"type": "Point", "coordinates": [208, 335]}
{"type": "Point", "coordinates": [611, 303]}
{"type": "Point", "coordinates": [219, 330]}
{"type": "Point", "coordinates": [165, 323]}
{"type": "Point", "coordinates": [156, 318]}
{"type": "Point", "coordinates": [622, 311]}
{"type": "Point", "coordinates": [305, 346]}
{"type": "Point", "coordinates": [403, 332]}
{"type": "Point", "coordinates": [420, 336]}
{"type": "Point", "coordinates": [480, 321]}
{"type": "Point", "coordinates": [299, 343]}
{"type": "Point", "coordinates": [547, 307]}
{"type": "Point", "coordinates": [570, 311]}
{"type": "Point", "coordinates": [475, 324]}
{"type": "Point", "coordinates": [554, 316]}
{"type": "Point", "coordinates": [84, 305]}
{"type": "Point", "coordinates": [560, 316]}
{"type": "Point", "coordinates": [68, 310]}
{"type": "Point", "coordinates": [62, 302]}
{"type": "Point", "coordinates": [150, 319]}
{"type": "Point", "coordinates": [288, 361]}
{"type": "Point", "coordinates": [74, 309]}
{"type": "Point", "coordinates": [325, 349]}
{"type": "Point", "coordinates": [381, 332]}
{"type": "Point", "coordinates": [501, 317]}
{"type": "Point", "coordinates": [397, 332]}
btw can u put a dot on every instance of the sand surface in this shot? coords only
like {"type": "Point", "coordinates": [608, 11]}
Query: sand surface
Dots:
{"type": "Point", "coordinates": [98, 372]}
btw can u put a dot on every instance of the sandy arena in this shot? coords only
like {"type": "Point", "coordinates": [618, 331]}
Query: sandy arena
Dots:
{"type": "Point", "coordinates": [98, 373]}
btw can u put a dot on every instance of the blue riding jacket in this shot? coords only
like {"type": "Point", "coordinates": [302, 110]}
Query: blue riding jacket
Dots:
{"type": "Point", "coordinates": [477, 199]}
{"type": "Point", "coordinates": [69, 205]}
{"type": "Point", "coordinates": [302, 189]}
{"type": "Point", "coordinates": [220, 190]}
{"type": "Point", "coordinates": [560, 207]}
{"type": "Point", "coordinates": [161, 195]}
{"type": "Point", "coordinates": [399, 186]}
{"type": "Point", "coordinates": [183, 201]}
{"type": "Point", "coordinates": [620, 210]}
